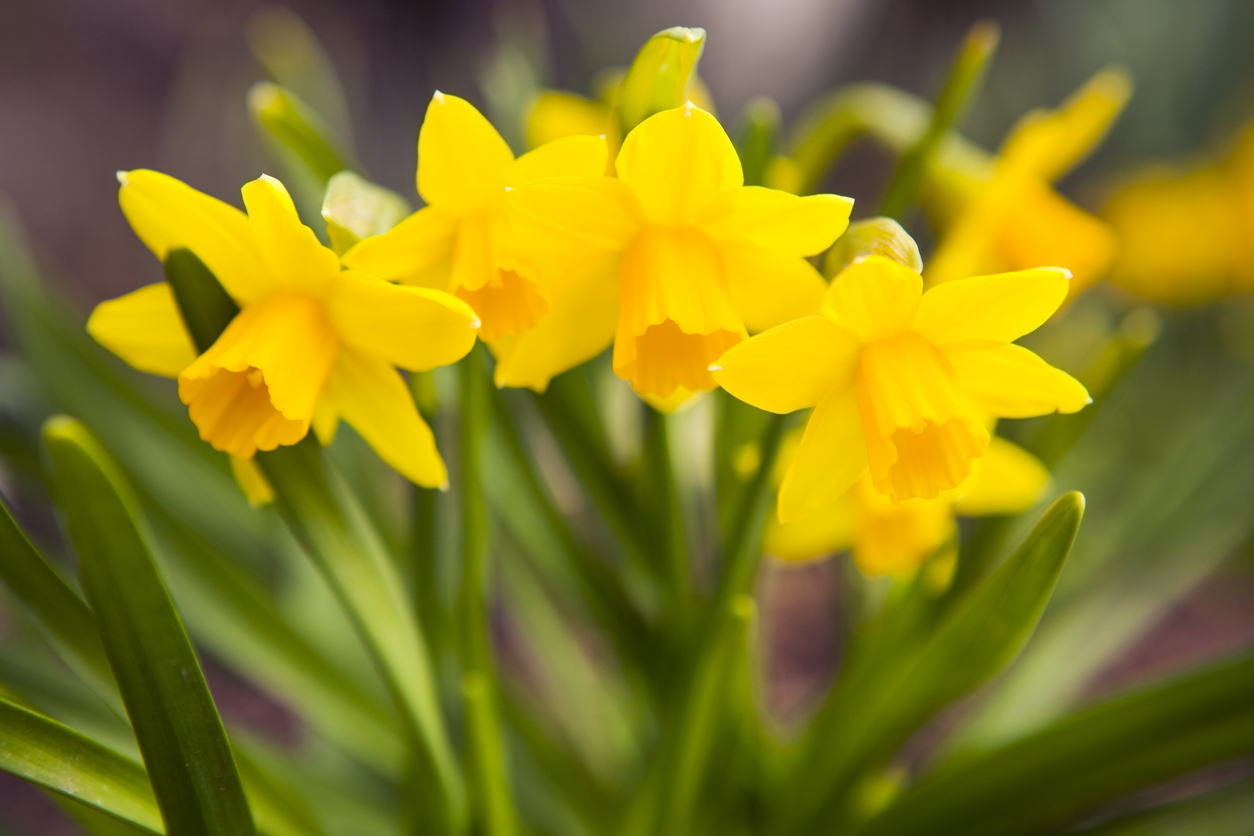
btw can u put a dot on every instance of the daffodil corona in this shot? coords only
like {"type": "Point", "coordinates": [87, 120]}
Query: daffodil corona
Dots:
{"type": "Point", "coordinates": [460, 241]}
{"type": "Point", "coordinates": [673, 262]}
{"type": "Point", "coordinates": [312, 343]}
{"type": "Point", "coordinates": [902, 381]}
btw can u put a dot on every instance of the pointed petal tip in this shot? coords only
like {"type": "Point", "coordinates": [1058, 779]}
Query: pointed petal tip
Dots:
{"type": "Point", "coordinates": [443, 486]}
{"type": "Point", "coordinates": [437, 97]}
{"type": "Point", "coordinates": [122, 176]}
{"type": "Point", "coordinates": [475, 323]}
{"type": "Point", "coordinates": [714, 367]}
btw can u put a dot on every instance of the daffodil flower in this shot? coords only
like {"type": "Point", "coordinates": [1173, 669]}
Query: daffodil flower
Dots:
{"type": "Point", "coordinates": [460, 242]}
{"type": "Point", "coordinates": [902, 381]}
{"type": "Point", "coordinates": [311, 344]}
{"type": "Point", "coordinates": [1008, 216]}
{"type": "Point", "coordinates": [894, 538]}
{"type": "Point", "coordinates": [673, 262]}
{"type": "Point", "coordinates": [1185, 233]}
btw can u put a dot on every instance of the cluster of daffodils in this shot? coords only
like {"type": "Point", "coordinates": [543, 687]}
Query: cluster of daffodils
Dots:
{"type": "Point", "coordinates": [660, 254]}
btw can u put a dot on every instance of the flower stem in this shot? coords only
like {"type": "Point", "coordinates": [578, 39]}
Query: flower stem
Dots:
{"type": "Point", "coordinates": [483, 722]}
{"type": "Point", "coordinates": [960, 89]}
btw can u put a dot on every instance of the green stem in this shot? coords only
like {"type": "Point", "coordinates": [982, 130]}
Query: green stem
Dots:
{"type": "Point", "coordinates": [714, 651]}
{"type": "Point", "coordinates": [602, 588]}
{"type": "Point", "coordinates": [961, 88]}
{"type": "Point", "coordinates": [334, 531]}
{"type": "Point", "coordinates": [483, 723]}
{"type": "Point", "coordinates": [668, 517]}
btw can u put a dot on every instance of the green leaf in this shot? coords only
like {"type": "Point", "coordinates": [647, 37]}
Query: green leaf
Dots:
{"type": "Point", "coordinates": [334, 531]}
{"type": "Point", "coordinates": [1044, 780]}
{"type": "Point", "coordinates": [658, 77]}
{"type": "Point", "coordinates": [54, 756]}
{"type": "Point", "coordinates": [872, 236]}
{"type": "Point", "coordinates": [297, 129]}
{"type": "Point", "coordinates": [176, 724]}
{"type": "Point", "coordinates": [205, 306]}
{"type": "Point", "coordinates": [757, 137]}
{"type": "Point", "coordinates": [977, 639]}
{"type": "Point", "coordinates": [354, 208]}
{"type": "Point", "coordinates": [961, 88]}
{"type": "Point", "coordinates": [55, 610]}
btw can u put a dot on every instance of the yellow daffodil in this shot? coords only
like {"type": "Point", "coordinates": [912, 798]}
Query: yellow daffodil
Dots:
{"type": "Point", "coordinates": [311, 343]}
{"type": "Point", "coordinates": [892, 538]}
{"type": "Point", "coordinates": [902, 380]}
{"type": "Point", "coordinates": [672, 262]}
{"type": "Point", "coordinates": [460, 242]}
{"type": "Point", "coordinates": [1008, 216]}
{"type": "Point", "coordinates": [1186, 235]}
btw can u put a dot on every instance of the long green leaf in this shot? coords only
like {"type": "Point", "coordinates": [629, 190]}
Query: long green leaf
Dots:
{"type": "Point", "coordinates": [334, 531]}
{"type": "Point", "coordinates": [1042, 781]}
{"type": "Point", "coordinates": [176, 724]}
{"type": "Point", "coordinates": [55, 610]}
{"type": "Point", "coordinates": [978, 639]}
{"type": "Point", "coordinates": [54, 756]}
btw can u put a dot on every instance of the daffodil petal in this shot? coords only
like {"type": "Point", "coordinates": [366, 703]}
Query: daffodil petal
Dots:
{"type": "Point", "coordinates": [415, 328]}
{"type": "Point", "coordinates": [830, 458]}
{"type": "Point", "coordinates": [790, 367]}
{"type": "Point", "coordinates": [1008, 480]}
{"type": "Point", "coordinates": [1043, 227]}
{"type": "Point", "coordinates": [417, 251]}
{"type": "Point", "coordinates": [145, 329]}
{"type": "Point", "coordinates": [572, 156]}
{"type": "Point", "coordinates": [777, 221]}
{"type": "Point", "coordinates": [558, 114]}
{"type": "Point", "coordinates": [768, 289]}
{"type": "Point", "coordinates": [873, 298]}
{"type": "Point", "coordinates": [826, 530]}
{"type": "Point", "coordinates": [578, 326]}
{"type": "Point", "coordinates": [563, 222]}
{"type": "Point", "coordinates": [463, 163]}
{"type": "Point", "coordinates": [1010, 381]}
{"type": "Point", "coordinates": [372, 397]}
{"type": "Point", "coordinates": [167, 213]}
{"type": "Point", "coordinates": [1001, 307]}
{"type": "Point", "coordinates": [295, 258]}
{"type": "Point", "coordinates": [677, 162]}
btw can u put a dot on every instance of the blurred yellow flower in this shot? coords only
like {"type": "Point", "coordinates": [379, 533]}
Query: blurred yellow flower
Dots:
{"type": "Point", "coordinates": [460, 242]}
{"type": "Point", "coordinates": [892, 538]}
{"type": "Point", "coordinates": [902, 380]}
{"type": "Point", "coordinates": [1186, 236]}
{"type": "Point", "coordinates": [1008, 217]}
{"type": "Point", "coordinates": [673, 262]}
{"type": "Point", "coordinates": [311, 343]}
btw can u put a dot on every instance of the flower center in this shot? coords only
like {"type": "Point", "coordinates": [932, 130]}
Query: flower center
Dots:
{"type": "Point", "coordinates": [508, 305]}
{"type": "Point", "coordinates": [922, 433]}
{"type": "Point", "coordinates": [675, 311]}
{"type": "Point", "coordinates": [256, 386]}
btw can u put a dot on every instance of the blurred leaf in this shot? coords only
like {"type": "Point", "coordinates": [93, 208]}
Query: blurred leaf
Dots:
{"type": "Point", "coordinates": [354, 208]}
{"type": "Point", "coordinates": [1042, 781]}
{"type": "Point", "coordinates": [51, 755]}
{"type": "Point", "coordinates": [177, 726]}
{"type": "Point", "coordinates": [335, 533]}
{"type": "Point", "coordinates": [146, 428]}
{"type": "Point", "coordinates": [960, 90]}
{"type": "Point", "coordinates": [291, 123]}
{"type": "Point", "coordinates": [237, 622]}
{"type": "Point", "coordinates": [872, 236]}
{"type": "Point", "coordinates": [658, 77]}
{"type": "Point", "coordinates": [205, 306]}
{"type": "Point", "coordinates": [757, 138]}
{"type": "Point", "coordinates": [293, 56]}
{"type": "Point", "coordinates": [55, 610]}
{"type": "Point", "coordinates": [1223, 812]}
{"type": "Point", "coordinates": [984, 632]}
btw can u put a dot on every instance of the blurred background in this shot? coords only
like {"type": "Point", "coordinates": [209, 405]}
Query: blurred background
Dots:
{"type": "Point", "coordinates": [88, 87]}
